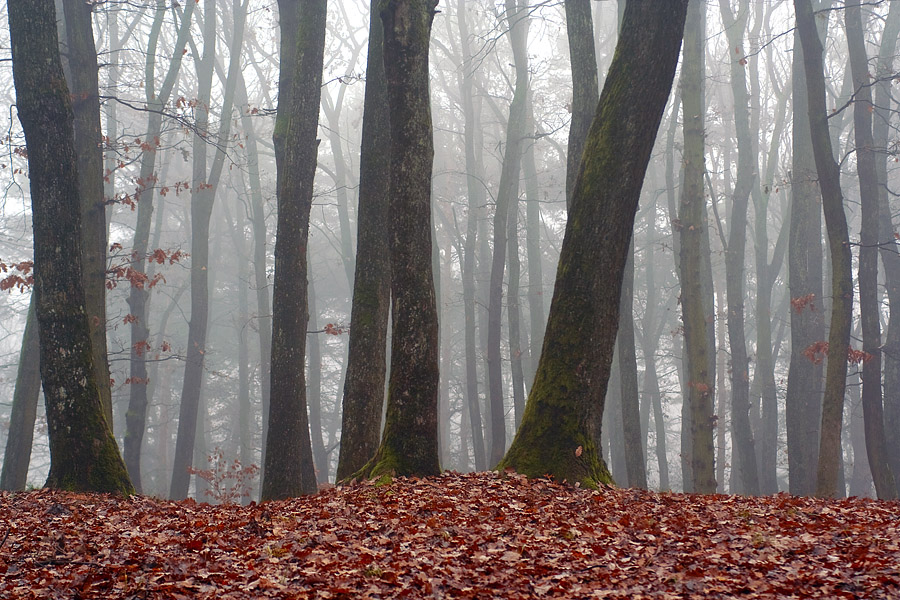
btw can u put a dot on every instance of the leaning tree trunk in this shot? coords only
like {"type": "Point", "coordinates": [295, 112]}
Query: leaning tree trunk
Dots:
{"type": "Point", "coordinates": [289, 469]}
{"type": "Point", "coordinates": [83, 452]}
{"type": "Point", "coordinates": [409, 445]}
{"type": "Point", "coordinates": [839, 244]}
{"type": "Point", "coordinates": [869, 309]}
{"type": "Point", "coordinates": [562, 417]}
{"type": "Point", "coordinates": [366, 359]}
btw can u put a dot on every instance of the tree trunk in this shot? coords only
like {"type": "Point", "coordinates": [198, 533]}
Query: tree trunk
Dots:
{"type": "Point", "coordinates": [869, 309]}
{"type": "Point", "coordinates": [507, 199]}
{"type": "Point", "coordinates": [585, 89]}
{"type": "Point", "coordinates": [635, 465]}
{"type": "Point", "coordinates": [366, 360]}
{"type": "Point", "coordinates": [803, 399]}
{"type": "Point", "coordinates": [476, 200]}
{"type": "Point", "coordinates": [533, 249]}
{"type": "Point", "coordinates": [83, 86]}
{"type": "Point", "coordinates": [839, 244]}
{"type": "Point", "coordinates": [562, 416]}
{"type": "Point", "coordinates": [289, 469]}
{"type": "Point", "coordinates": [136, 414]}
{"type": "Point", "coordinates": [890, 257]}
{"type": "Point", "coordinates": [203, 195]}
{"type": "Point", "coordinates": [24, 408]}
{"type": "Point", "coordinates": [83, 452]}
{"type": "Point", "coordinates": [409, 445]}
{"type": "Point", "coordinates": [314, 389]}
{"type": "Point", "coordinates": [260, 257]}
{"type": "Point", "coordinates": [695, 265]}
{"type": "Point", "coordinates": [735, 253]}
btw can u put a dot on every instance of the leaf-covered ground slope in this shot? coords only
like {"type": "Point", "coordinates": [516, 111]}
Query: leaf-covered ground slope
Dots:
{"type": "Point", "coordinates": [468, 536]}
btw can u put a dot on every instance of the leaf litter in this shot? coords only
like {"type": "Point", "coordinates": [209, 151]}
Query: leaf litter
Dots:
{"type": "Point", "coordinates": [479, 535]}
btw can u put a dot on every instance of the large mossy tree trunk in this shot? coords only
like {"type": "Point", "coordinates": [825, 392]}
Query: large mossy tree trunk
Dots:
{"type": "Point", "coordinates": [563, 413]}
{"type": "Point", "coordinates": [839, 244]}
{"type": "Point", "coordinates": [366, 359]}
{"type": "Point", "coordinates": [803, 399]}
{"type": "Point", "coordinates": [742, 435]}
{"type": "Point", "coordinates": [24, 408]}
{"type": "Point", "coordinates": [409, 445]}
{"type": "Point", "coordinates": [289, 469]}
{"type": "Point", "coordinates": [83, 86]}
{"type": "Point", "coordinates": [869, 310]}
{"type": "Point", "coordinates": [697, 312]}
{"type": "Point", "coordinates": [83, 452]}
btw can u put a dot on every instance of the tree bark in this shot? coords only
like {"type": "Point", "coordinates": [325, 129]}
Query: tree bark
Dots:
{"type": "Point", "coordinates": [289, 469]}
{"type": "Point", "coordinates": [507, 198]}
{"type": "Point", "coordinates": [869, 310]}
{"type": "Point", "coordinates": [839, 245]}
{"type": "Point", "coordinates": [366, 360]}
{"type": "Point", "coordinates": [803, 400]}
{"type": "Point", "coordinates": [203, 195]}
{"type": "Point", "coordinates": [409, 445]}
{"type": "Point", "coordinates": [635, 465]}
{"type": "Point", "coordinates": [17, 456]}
{"type": "Point", "coordinates": [138, 398]}
{"type": "Point", "coordinates": [736, 250]}
{"type": "Point", "coordinates": [890, 256]}
{"type": "Point", "coordinates": [83, 452]}
{"type": "Point", "coordinates": [83, 86]}
{"type": "Point", "coordinates": [695, 262]}
{"type": "Point", "coordinates": [476, 198]}
{"type": "Point", "coordinates": [562, 416]}
{"type": "Point", "coordinates": [585, 89]}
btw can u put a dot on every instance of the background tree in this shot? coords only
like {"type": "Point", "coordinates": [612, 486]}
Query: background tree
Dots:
{"type": "Point", "coordinates": [870, 320]}
{"type": "Point", "coordinates": [695, 268]}
{"type": "Point", "coordinates": [839, 245]}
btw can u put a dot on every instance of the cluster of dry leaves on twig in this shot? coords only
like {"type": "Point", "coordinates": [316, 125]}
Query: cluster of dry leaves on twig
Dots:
{"type": "Point", "coordinates": [458, 536]}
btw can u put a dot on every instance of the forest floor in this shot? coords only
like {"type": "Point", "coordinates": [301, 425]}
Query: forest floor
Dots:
{"type": "Point", "coordinates": [459, 536]}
